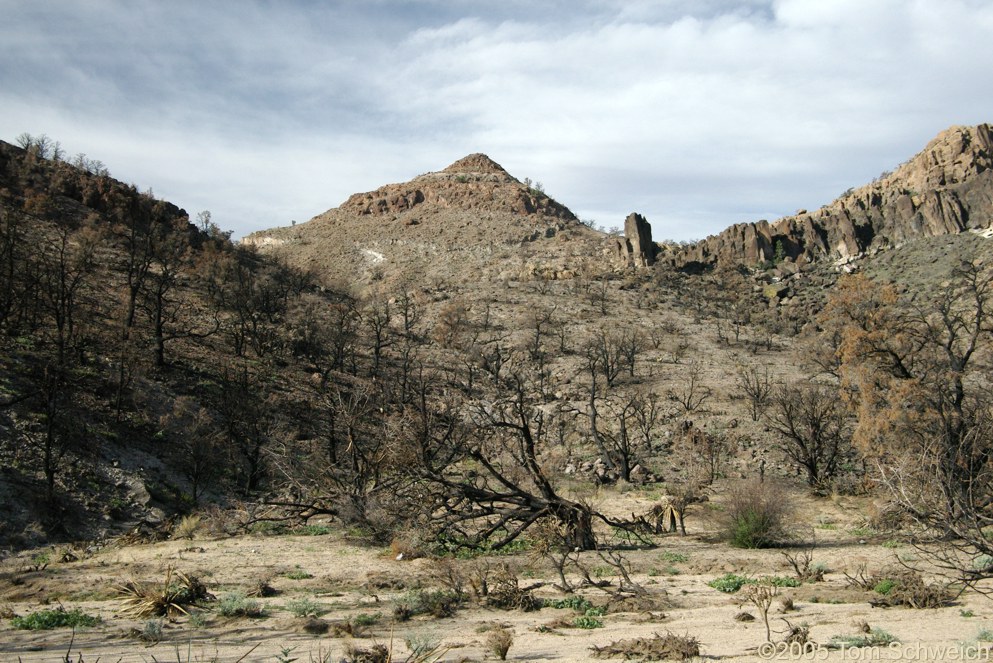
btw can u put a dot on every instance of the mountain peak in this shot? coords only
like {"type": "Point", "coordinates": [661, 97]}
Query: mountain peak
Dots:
{"type": "Point", "coordinates": [476, 163]}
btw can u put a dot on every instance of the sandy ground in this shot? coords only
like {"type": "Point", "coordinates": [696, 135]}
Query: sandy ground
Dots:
{"type": "Point", "coordinates": [350, 579]}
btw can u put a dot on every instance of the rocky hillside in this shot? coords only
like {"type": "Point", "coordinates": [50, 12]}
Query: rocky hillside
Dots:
{"type": "Point", "coordinates": [472, 220]}
{"type": "Point", "coordinates": [947, 188]}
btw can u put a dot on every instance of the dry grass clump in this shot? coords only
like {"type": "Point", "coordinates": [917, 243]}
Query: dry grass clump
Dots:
{"type": "Point", "coordinates": [171, 598]}
{"type": "Point", "coordinates": [505, 593]}
{"type": "Point", "coordinates": [187, 527]}
{"type": "Point", "coordinates": [378, 653]}
{"type": "Point", "coordinates": [656, 648]}
{"type": "Point", "coordinates": [262, 589]}
{"type": "Point", "coordinates": [499, 642]}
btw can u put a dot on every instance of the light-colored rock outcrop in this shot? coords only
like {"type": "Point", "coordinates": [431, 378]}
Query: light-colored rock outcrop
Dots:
{"type": "Point", "coordinates": [946, 188]}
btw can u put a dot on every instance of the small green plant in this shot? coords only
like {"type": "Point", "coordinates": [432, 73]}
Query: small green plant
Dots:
{"type": "Point", "coordinates": [312, 530]}
{"type": "Point", "coordinates": [884, 586]}
{"type": "Point", "coordinates": [673, 557]}
{"type": "Point", "coordinates": [268, 528]}
{"type": "Point", "coordinates": [587, 622]}
{"type": "Point", "coordinates": [298, 574]}
{"type": "Point", "coordinates": [877, 637]}
{"type": "Point", "coordinates": [891, 544]}
{"type": "Point", "coordinates": [40, 561]}
{"type": "Point", "coordinates": [421, 645]}
{"type": "Point", "coordinates": [577, 603]}
{"type": "Point", "coordinates": [985, 635]}
{"type": "Point", "coordinates": [729, 583]}
{"type": "Point", "coordinates": [198, 619]}
{"type": "Point", "coordinates": [152, 631]}
{"type": "Point", "coordinates": [668, 571]}
{"type": "Point", "coordinates": [966, 613]}
{"type": "Point", "coordinates": [365, 619]}
{"type": "Point", "coordinates": [284, 655]}
{"type": "Point", "coordinates": [982, 562]}
{"type": "Point", "coordinates": [236, 604]}
{"type": "Point", "coordinates": [306, 607]}
{"type": "Point", "coordinates": [44, 620]}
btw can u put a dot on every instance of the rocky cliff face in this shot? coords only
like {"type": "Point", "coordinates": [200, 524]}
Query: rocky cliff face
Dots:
{"type": "Point", "coordinates": [946, 188]}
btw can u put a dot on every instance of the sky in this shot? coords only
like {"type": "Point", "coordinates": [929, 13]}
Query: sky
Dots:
{"type": "Point", "coordinates": [695, 113]}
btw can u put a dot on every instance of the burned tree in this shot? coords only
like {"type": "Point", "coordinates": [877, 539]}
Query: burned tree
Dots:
{"type": "Point", "coordinates": [485, 469]}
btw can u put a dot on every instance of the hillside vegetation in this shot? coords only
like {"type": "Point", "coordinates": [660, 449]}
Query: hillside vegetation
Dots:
{"type": "Point", "coordinates": [456, 366]}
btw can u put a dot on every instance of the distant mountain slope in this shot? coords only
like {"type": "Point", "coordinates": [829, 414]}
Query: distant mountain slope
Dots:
{"type": "Point", "coordinates": [947, 188]}
{"type": "Point", "coordinates": [472, 220]}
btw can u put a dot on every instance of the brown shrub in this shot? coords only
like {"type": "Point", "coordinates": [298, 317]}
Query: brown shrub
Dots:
{"type": "Point", "coordinates": [656, 648]}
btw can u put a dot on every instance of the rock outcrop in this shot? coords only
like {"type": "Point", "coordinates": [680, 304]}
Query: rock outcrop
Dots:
{"type": "Point", "coordinates": [635, 248]}
{"type": "Point", "coordinates": [946, 188]}
{"type": "Point", "coordinates": [474, 182]}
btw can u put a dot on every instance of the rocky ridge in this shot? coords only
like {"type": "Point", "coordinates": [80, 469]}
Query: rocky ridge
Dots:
{"type": "Point", "coordinates": [947, 188]}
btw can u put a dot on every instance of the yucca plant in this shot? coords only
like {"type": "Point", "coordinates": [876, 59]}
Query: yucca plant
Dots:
{"type": "Point", "coordinates": [171, 598]}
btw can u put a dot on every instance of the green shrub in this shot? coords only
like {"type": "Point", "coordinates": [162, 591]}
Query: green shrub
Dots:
{"type": "Point", "coordinates": [884, 586]}
{"type": "Point", "coordinates": [673, 557]}
{"type": "Point", "coordinates": [306, 607]}
{"type": "Point", "coordinates": [985, 635]}
{"type": "Point", "coordinates": [236, 604]}
{"type": "Point", "coordinates": [152, 631]}
{"type": "Point", "coordinates": [982, 562]}
{"type": "Point", "coordinates": [757, 515]}
{"type": "Point", "coordinates": [587, 622]}
{"type": "Point", "coordinates": [577, 603]}
{"type": "Point", "coordinates": [366, 619]}
{"type": "Point", "coordinates": [729, 583]}
{"type": "Point", "coordinates": [877, 637]}
{"type": "Point", "coordinates": [198, 619]}
{"type": "Point", "coordinates": [57, 618]}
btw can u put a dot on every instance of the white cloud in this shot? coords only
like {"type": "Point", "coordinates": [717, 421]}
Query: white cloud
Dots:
{"type": "Point", "coordinates": [696, 114]}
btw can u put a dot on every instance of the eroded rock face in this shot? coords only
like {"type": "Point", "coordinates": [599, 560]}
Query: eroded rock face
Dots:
{"type": "Point", "coordinates": [946, 188]}
{"type": "Point", "coordinates": [639, 234]}
{"type": "Point", "coordinates": [475, 182]}
{"type": "Point", "coordinates": [636, 248]}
